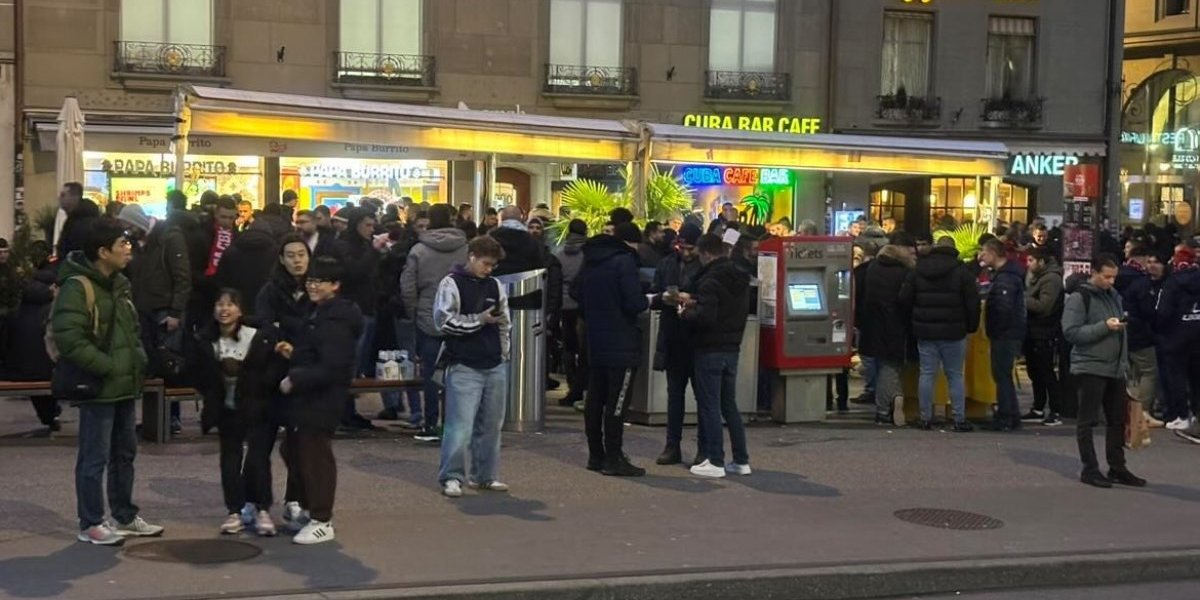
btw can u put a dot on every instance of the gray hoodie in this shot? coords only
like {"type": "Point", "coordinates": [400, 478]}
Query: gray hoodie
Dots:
{"type": "Point", "coordinates": [1095, 350]}
{"type": "Point", "coordinates": [571, 257]}
{"type": "Point", "coordinates": [431, 260]}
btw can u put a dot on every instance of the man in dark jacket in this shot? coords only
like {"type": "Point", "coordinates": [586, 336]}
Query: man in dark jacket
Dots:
{"type": "Point", "coordinates": [718, 308]}
{"type": "Point", "coordinates": [521, 253]}
{"type": "Point", "coordinates": [1093, 325]}
{"type": "Point", "coordinates": [360, 252]}
{"type": "Point", "coordinates": [650, 251]}
{"type": "Point", "coordinates": [884, 328]}
{"type": "Point", "coordinates": [1179, 321]}
{"type": "Point", "coordinates": [610, 297]}
{"type": "Point", "coordinates": [318, 384]}
{"type": "Point", "coordinates": [248, 263]}
{"type": "Point", "coordinates": [1044, 303]}
{"type": "Point", "coordinates": [1139, 297]}
{"type": "Point", "coordinates": [25, 345]}
{"type": "Point", "coordinates": [570, 257]}
{"type": "Point", "coordinates": [320, 240]}
{"type": "Point", "coordinates": [81, 213]}
{"type": "Point", "coordinates": [944, 302]}
{"type": "Point", "coordinates": [1005, 321]}
{"type": "Point", "coordinates": [674, 351]}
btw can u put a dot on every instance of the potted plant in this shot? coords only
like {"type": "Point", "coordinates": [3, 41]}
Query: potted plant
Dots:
{"type": "Point", "coordinates": [966, 239]}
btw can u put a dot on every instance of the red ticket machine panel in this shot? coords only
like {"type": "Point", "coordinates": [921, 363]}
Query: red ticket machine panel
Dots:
{"type": "Point", "coordinates": [807, 312]}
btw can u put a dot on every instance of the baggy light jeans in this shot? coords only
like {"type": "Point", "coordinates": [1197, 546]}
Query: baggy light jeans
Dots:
{"type": "Point", "coordinates": [950, 356]}
{"type": "Point", "coordinates": [476, 401]}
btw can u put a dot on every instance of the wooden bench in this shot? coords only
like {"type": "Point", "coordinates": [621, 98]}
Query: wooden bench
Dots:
{"type": "Point", "coordinates": [153, 395]}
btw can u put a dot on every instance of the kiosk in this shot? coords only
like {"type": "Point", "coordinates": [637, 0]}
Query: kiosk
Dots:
{"type": "Point", "coordinates": [806, 320]}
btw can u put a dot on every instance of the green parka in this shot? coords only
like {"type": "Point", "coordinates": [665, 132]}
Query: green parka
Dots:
{"type": "Point", "coordinates": [123, 363]}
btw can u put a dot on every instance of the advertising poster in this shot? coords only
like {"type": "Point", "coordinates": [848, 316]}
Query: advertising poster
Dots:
{"type": "Point", "coordinates": [1072, 267]}
{"type": "Point", "coordinates": [1077, 243]}
{"type": "Point", "coordinates": [1081, 181]}
{"type": "Point", "coordinates": [767, 263]}
{"type": "Point", "coordinates": [843, 218]}
{"type": "Point", "coordinates": [149, 192]}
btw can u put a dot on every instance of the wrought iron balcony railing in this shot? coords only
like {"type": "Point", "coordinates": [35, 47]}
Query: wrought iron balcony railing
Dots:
{"type": "Point", "coordinates": [745, 85]}
{"type": "Point", "coordinates": [907, 109]}
{"type": "Point", "coordinates": [1007, 112]}
{"type": "Point", "coordinates": [166, 58]}
{"type": "Point", "coordinates": [588, 80]}
{"type": "Point", "coordinates": [384, 69]}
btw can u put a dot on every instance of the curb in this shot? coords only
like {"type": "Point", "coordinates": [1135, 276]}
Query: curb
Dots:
{"type": "Point", "coordinates": [849, 582]}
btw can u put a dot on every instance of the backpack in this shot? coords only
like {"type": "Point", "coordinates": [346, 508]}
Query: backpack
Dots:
{"type": "Point", "coordinates": [90, 295]}
{"type": "Point", "coordinates": [1071, 287]}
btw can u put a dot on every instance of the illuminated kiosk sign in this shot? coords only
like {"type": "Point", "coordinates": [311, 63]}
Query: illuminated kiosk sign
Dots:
{"type": "Point", "coordinates": [1040, 164]}
{"type": "Point", "coordinates": [705, 175]}
{"type": "Point", "coordinates": [767, 123]}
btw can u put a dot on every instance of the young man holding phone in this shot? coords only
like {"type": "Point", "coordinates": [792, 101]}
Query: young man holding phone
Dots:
{"type": "Point", "coordinates": [471, 312]}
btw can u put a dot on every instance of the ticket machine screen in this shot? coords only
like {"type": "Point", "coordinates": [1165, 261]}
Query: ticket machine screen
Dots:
{"type": "Point", "coordinates": [804, 298]}
{"type": "Point", "coordinates": [805, 295]}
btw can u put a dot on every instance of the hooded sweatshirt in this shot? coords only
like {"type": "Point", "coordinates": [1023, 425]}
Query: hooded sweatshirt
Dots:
{"type": "Point", "coordinates": [610, 296]}
{"type": "Point", "coordinates": [1044, 302]}
{"type": "Point", "coordinates": [570, 255]}
{"type": "Point", "coordinates": [1140, 299]}
{"type": "Point", "coordinates": [943, 297]}
{"type": "Point", "coordinates": [437, 252]}
{"type": "Point", "coordinates": [1179, 309]}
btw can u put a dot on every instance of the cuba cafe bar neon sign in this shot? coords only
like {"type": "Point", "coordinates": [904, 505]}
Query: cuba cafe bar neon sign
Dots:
{"type": "Point", "coordinates": [701, 175]}
{"type": "Point", "coordinates": [764, 123]}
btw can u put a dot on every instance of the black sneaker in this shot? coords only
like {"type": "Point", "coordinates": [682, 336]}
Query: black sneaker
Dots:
{"type": "Point", "coordinates": [863, 398]}
{"type": "Point", "coordinates": [1096, 479]}
{"type": "Point", "coordinates": [925, 425]}
{"type": "Point", "coordinates": [670, 456]}
{"type": "Point", "coordinates": [54, 425]}
{"type": "Point", "coordinates": [595, 463]}
{"type": "Point", "coordinates": [429, 434]}
{"type": "Point", "coordinates": [621, 467]}
{"type": "Point", "coordinates": [1187, 435]}
{"type": "Point", "coordinates": [1052, 420]}
{"type": "Point", "coordinates": [884, 420]}
{"type": "Point", "coordinates": [1124, 477]}
{"type": "Point", "coordinates": [552, 384]}
{"type": "Point", "coordinates": [1034, 416]}
{"type": "Point", "coordinates": [963, 427]}
{"type": "Point", "coordinates": [388, 414]}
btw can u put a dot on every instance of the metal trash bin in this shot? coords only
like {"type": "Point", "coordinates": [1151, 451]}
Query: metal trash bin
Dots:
{"type": "Point", "coordinates": [526, 396]}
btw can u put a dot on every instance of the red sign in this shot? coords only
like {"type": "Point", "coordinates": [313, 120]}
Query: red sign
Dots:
{"type": "Point", "coordinates": [741, 176]}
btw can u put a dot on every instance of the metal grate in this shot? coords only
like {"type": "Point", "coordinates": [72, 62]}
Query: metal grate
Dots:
{"type": "Point", "coordinates": [194, 552]}
{"type": "Point", "coordinates": [948, 519]}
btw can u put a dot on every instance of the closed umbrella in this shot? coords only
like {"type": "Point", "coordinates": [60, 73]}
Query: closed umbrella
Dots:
{"type": "Point", "coordinates": [70, 153]}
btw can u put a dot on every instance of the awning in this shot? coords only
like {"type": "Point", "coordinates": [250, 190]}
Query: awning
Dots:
{"type": "Point", "coordinates": [394, 129]}
{"type": "Point", "coordinates": [827, 152]}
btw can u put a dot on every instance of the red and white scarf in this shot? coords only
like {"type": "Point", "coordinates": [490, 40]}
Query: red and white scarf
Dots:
{"type": "Point", "coordinates": [221, 242]}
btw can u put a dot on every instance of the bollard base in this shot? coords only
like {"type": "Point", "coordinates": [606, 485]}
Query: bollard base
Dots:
{"type": "Point", "coordinates": [800, 396]}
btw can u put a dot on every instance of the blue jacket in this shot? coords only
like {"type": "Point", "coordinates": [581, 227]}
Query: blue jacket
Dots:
{"type": "Point", "coordinates": [1179, 310]}
{"type": "Point", "coordinates": [610, 299]}
{"type": "Point", "coordinates": [1140, 300]}
{"type": "Point", "coordinates": [1006, 316]}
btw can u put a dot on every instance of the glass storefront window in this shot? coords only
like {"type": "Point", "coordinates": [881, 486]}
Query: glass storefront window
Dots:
{"type": "Point", "coordinates": [336, 181]}
{"type": "Point", "coordinates": [145, 179]}
{"type": "Point", "coordinates": [955, 200]}
{"type": "Point", "coordinates": [888, 204]}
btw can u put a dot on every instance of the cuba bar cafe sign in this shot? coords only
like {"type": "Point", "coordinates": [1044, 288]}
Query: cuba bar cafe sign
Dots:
{"type": "Point", "coordinates": [802, 125]}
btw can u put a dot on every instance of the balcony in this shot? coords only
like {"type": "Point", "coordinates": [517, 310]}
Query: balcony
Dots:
{"type": "Point", "coordinates": [748, 88]}
{"type": "Point", "coordinates": [587, 86]}
{"type": "Point", "coordinates": [399, 77]}
{"type": "Point", "coordinates": [901, 110]}
{"type": "Point", "coordinates": [1009, 113]}
{"type": "Point", "coordinates": [168, 62]}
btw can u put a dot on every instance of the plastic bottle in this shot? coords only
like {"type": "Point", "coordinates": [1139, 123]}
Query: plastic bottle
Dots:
{"type": "Point", "coordinates": [391, 368]}
{"type": "Point", "coordinates": [407, 367]}
{"type": "Point", "coordinates": [380, 363]}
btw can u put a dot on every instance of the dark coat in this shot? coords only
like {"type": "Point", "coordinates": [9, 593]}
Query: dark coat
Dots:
{"type": "Point", "coordinates": [942, 297]}
{"type": "Point", "coordinates": [1179, 310]}
{"type": "Point", "coordinates": [160, 273]}
{"type": "Point", "coordinates": [722, 304]}
{"type": "Point", "coordinates": [884, 328]}
{"type": "Point", "coordinates": [554, 284]}
{"type": "Point", "coordinates": [248, 263]}
{"type": "Point", "coordinates": [1044, 300]}
{"type": "Point", "coordinates": [25, 348]}
{"type": "Point", "coordinates": [1140, 300]}
{"type": "Point", "coordinates": [1006, 315]}
{"type": "Point", "coordinates": [322, 365]}
{"type": "Point", "coordinates": [257, 384]}
{"type": "Point", "coordinates": [674, 334]}
{"type": "Point", "coordinates": [196, 237]}
{"type": "Point", "coordinates": [610, 298]}
{"type": "Point", "coordinates": [283, 303]}
{"type": "Point", "coordinates": [362, 261]}
{"type": "Point", "coordinates": [521, 253]}
{"type": "Point", "coordinates": [77, 227]}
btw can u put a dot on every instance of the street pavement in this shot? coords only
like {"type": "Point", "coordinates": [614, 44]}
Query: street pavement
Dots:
{"type": "Point", "coordinates": [816, 519]}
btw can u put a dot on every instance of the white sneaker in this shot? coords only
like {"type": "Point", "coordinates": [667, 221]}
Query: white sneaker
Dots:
{"type": "Point", "coordinates": [233, 524]}
{"type": "Point", "coordinates": [491, 486]}
{"type": "Point", "coordinates": [316, 532]}
{"type": "Point", "coordinates": [294, 516]}
{"type": "Point", "coordinates": [736, 469]}
{"type": "Point", "coordinates": [138, 527]}
{"type": "Point", "coordinates": [898, 411]}
{"type": "Point", "coordinates": [263, 525]}
{"type": "Point", "coordinates": [1179, 424]}
{"type": "Point", "coordinates": [101, 535]}
{"type": "Point", "coordinates": [452, 488]}
{"type": "Point", "coordinates": [707, 469]}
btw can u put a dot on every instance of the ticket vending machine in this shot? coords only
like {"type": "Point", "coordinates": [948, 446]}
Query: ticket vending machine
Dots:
{"type": "Point", "coordinates": [806, 320]}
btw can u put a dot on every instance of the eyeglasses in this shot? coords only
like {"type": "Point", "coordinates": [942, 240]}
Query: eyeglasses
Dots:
{"type": "Point", "coordinates": [316, 282]}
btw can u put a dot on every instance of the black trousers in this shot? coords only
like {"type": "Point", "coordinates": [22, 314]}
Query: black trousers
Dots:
{"type": "Point", "coordinates": [1183, 384]}
{"type": "Point", "coordinates": [604, 411]}
{"type": "Point", "coordinates": [574, 354]}
{"type": "Point", "coordinates": [47, 409]}
{"type": "Point", "coordinates": [1098, 394]}
{"type": "Point", "coordinates": [1040, 356]}
{"type": "Point", "coordinates": [245, 462]}
{"type": "Point", "coordinates": [312, 470]}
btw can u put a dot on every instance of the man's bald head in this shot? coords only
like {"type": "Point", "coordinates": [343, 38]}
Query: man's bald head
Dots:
{"type": "Point", "coordinates": [511, 213]}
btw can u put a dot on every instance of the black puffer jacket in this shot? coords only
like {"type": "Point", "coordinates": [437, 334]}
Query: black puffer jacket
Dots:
{"type": "Point", "coordinates": [323, 365]}
{"type": "Point", "coordinates": [76, 228]}
{"type": "Point", "coordinates": [722, 303]}
{"type": "Point", "coordinates": [885, 324]}
{"type": "Point", "coordinates": [248, 262]}
{"type": "Point", "coordinates": [674, 334]}
{"type": "Point", "coordinates": [283, 303]}
{"type": "Point", "coordinates": [362, 263]}
{"type": "Point", "coordinates": [1179, 310]}
{"type": "Point", "coordinates": [521, 253]}
{"type": "Point", "coordinates": [610, 298]}
{"type": "Point", "coordinates": [257, 382]}
{"type": "Point", "coordinates": [1140, 299]}
{"type": "Point", "coordinates": [25, 348]}
{"type": "Point", "coordinates": [942, 296]}
{"type": "Point", "coordinates": [1044, 299]}
{"type": "Point", "coordinates": [1006, 315]}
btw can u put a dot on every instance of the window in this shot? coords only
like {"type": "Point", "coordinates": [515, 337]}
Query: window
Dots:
{"type": "Point", "coordinates": [585, 33]}
{"type": "Point", "coordinates": [741, 36]}
{"type": "Point", "coordinates": [907, 42]}
{"type": "Point", "coordinates": [1171, 8]}
{"type": "Point", "coordinates": [888, 204]}
{"type": "Point", "coordinates": [380, 27]}
{"type": "Point", "coordinates": [167, 21]}
{"type": "Point", "coordinates": [954, 201]}
{"type": "Point", "coordinates": [1010, 58]}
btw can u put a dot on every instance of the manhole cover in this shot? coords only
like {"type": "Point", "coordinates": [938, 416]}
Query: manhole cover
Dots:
{"type": "Point", "coordinates": [948, 519]}
{"type": "Point", "coordinates": [194, 552]}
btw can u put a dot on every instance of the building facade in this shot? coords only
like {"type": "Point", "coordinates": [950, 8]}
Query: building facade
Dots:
{"type": "Point", "coordinates": [923, 68]}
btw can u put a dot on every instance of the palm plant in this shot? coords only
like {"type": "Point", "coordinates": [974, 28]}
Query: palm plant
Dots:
{"type": "Point", "coordinates": [966, 239]}
{"type": "Point", "coordinates": [666, 195]}
{"type": "Point", "coordinates": [756, 208]}
{"type": "Point", "coordinates": [587, 200]}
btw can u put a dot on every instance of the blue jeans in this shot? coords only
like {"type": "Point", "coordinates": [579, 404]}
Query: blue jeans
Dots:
{"type": "Point", "coordinates": [677, 381]}
{"type": "Point", "coordinates": [715, 384]}
{"type": "Point", "coordinates": [427, 349]}
{"type": "Point", "coordinates": [107, 440]}
{"type": "Point", "coordinates": [405, 340]}
{"type": "Point", "coordinates": [476, 401]}
{"type": "Point", "coordinates": [870, 375]}
{"type": "Point", "coordinates": [950, 356]}
{"type": "Point", "coordinates": [1004, 354]}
